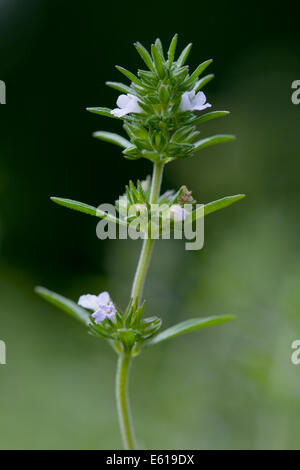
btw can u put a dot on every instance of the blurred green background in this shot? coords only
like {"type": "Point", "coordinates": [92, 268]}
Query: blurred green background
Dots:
{"type": "Point", "coordinates": [228, 387]}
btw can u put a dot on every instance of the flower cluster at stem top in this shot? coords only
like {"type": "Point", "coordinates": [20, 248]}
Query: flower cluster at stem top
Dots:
{"type": "Point", "coordinates": [159, 107]}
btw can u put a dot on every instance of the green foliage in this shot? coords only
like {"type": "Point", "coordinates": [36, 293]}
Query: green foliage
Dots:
{"type": "Point", "coordinates": [128, 331]}
{"type": "Point", "coordinates": [159, 118]}
{"type": "Point", "coordinates": [215, 139]}
{"type": "Point", "coordinates": [208, 116]}
{"type": "Point", "coordinates": [184, 55]}
{"type": "Point", "coordinates": [85, 208]}
{"type": "Point", "coordinates": [187, 326]}
{"type": "Point", "coordinates": [203, 81]}
{"type": "Point", "coordinates": [117, 86]}
{"type": "Point", "coordinates": [220, 204]}
{"type": "Point", "coordinates": [171, 51]}
{"type": "Point", "coordinates": [102, 112]}
{"type": "Point", "coordinates": [139, 194]}
{"type": "Point", "coordinates": [112, 138]}
{"type": "Point", "coordinates": [64, 304]}
{"type": "Point", "coordinates": [198, 71]}
{"type": "Point", "coordinates": [162, 132]}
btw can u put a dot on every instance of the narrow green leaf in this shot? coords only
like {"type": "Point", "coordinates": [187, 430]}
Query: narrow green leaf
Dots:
{"type": "Point", "coordinates": [189, 325]}
{"type": "Point", "coordinates": [203, 81]}
{"type": "Point", "coordinates": [133, 190]}
{"type": "Point", "coordinates": [129, 75]}
{"type": "Point", "coordinates": [184, 55]}
{"type": "Point", "coordinates": [86, 209]}
{"type": "Point", "coordinates": [75, 205]}
{"type": "Point", "coordinates": [112, 138]}
{"type": "Point", "coordinates": [213, 207]}
{"type": "Point", "coordinates": [164, 94]}
{"type": "Point", "coordinates": [159, 47]}
{"type": "Point", "coordinates": [102, 111]}
{"type": "Point", "coordinates": [144, 55]}
{"type": "Point", "coordinates": [222, 203]}
{"type": "Point", "coordinates": [141, 191]}
{"type": "Point", "coordinates": [158, 61]}
{"type": "Point", "coordinates": [132, 153]}
{"type": "Point", "coordinates": [65, 304]}
{"type": "Point", "coordinates": [128, 194]}
{"type": "Point", "coordinates": [199, 70]}
{"type": "Point", "coordinates": [215, 139]}
{"type": "Point", "coordinates": [209, 116]}
{"type": "Point", "coordinates": [172, 48]}
{"type": "Point", "coordinates": [120, 87]}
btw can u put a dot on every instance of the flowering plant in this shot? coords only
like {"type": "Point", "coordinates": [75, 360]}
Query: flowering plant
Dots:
{"type": "Point", "coordinates": [160, 114]}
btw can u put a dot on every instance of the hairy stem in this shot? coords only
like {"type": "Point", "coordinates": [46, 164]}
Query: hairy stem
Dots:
{"type": "Point", "coordinates": [123, 401]}
{"type": "Point", "coordinates": [143, 264]}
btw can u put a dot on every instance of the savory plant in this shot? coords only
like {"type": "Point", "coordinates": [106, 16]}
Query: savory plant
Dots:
{"type": "Point", "coordinates": [161, 110]}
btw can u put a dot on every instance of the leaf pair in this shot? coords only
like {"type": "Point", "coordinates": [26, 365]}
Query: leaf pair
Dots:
{"type": "Point", "coordinates": [87, 209]}
{"type": "Point", "coordinates": [82, 315]}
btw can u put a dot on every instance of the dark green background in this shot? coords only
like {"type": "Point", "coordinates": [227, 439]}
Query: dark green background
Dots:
{"type": "Point", "coordinates": [231, 386]}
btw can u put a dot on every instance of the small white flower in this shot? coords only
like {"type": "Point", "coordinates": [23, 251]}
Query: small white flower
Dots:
{"type": "Point", "coordinates": [126, 104]}
{"type": "Point", "coordinates": [101, 304]}
{"type": "Point", "coordinates": [178, 213]}
{"type": "Point", "coordinates": [192, 102]}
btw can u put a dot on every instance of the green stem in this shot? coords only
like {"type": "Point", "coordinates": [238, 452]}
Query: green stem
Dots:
{"type": "Point", "coordinates": [143, 264]}
{"type": "Point", "coordinates": [123, 401]}
{"type": "Point", "coordinates": [136, 293]}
